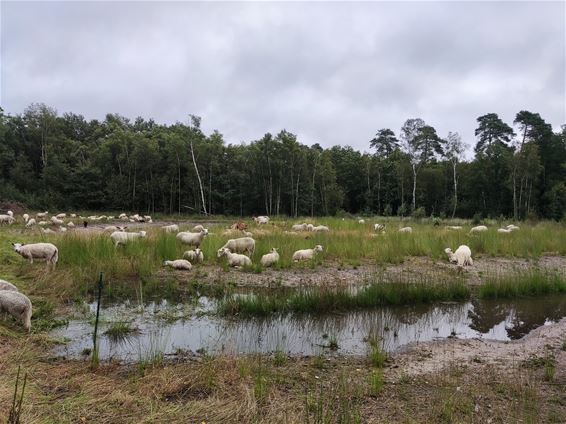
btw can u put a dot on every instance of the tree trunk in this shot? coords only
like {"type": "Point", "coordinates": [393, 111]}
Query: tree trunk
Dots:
{"type": "Point", "coordinates": [179, 178]}
{"type": "Point", "coordinates": [455, 189]}
{"type": "Point", "coordinates": [199, 180]}
{"type": "Point", "coordinates": [414, 187]}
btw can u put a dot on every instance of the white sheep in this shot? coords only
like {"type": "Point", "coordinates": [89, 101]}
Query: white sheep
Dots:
{"type": "Point", "coordinates": [18, 305]}
{"type": "Point", "coordinates": [42, 223]}
{"type": "Point", "coordinates": [194, 255]}
{"type": "Point", "coordinates": [71, 224]}
{"type": "Point", "coordinates": [306, 254]}
{"type": "Point", "coordinates": [56, 221]}
{"type": "Point", "coordinates": [270, 258]}
{"type": "Point", "coordinates": [462, 256]}
{"type": "Point", "coordinates": [47, 231]}
{"type": "Point", "coordinates": [63, 229]}
{"type": "Point", "coordinates": [61, 215]}
{"type": "Point", "coordinates": [234, 259]}
{"type": "Point", "coordinates": [42, 214]}
{"type": "Point", "coordinates": [299, 227]}
{"type": "Point", "coordinates": [320, 229]}
{"type": "Point", "coordinates": [378, 227]}
{"type": "Point", "coordinates": [10, 213]}
{"type": "Point", "coordinates": [173, 228]}
{"type": "Point", "coordinates": [198, 228]}
{"type": "Point", "coordinates": [73, 215]}
{"type": "Point", "coordinates": [361, 221]}
{"type": "Point", "coordinates": [4, 285]}
{"type": "Point", "coordinates": [26, 217]}
{"type": "Point", "coordinates": [47, 251]}
{"type": "Point", "coordinates": [192, 239]}
{"type": "Point", "coordinates": [122, 215]}
{"type": "Point", "coordinates": [6, 219]}
{"type": "Point", "coordinates": [239, 245]}
{"type": "Point", "coordinates": [113, 228]}
{"type": "Point", "coordinates": [147, 217]}
{"type": "Point", "coordinates": [454, 227]}
{"type": "Point", "coordinates": [478, 229]}
{"type": "Point", "coordinates": [180, 264]}
{"type": "Point", "coordinates": [310, 227]}
{"type": "Point", "coordinates": [503, 231]}
{"type": "Point", "coordinates": [30, 222]}
{"type": "Point", "coordinates": [512, 227]}
{"type": "Point", "coordinates": [406, 230]}
{"type": "Point", "coordinates": [261, 220]}
{"type": "Point", "coordinates": [121, 237]}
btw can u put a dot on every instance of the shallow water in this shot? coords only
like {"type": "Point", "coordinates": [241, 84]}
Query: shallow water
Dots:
{"type": "Point", "coordinates": [306, 334]}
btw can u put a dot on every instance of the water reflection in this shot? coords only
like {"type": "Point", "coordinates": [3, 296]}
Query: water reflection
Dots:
{"type": "Point", "coordinates": [395, 327]}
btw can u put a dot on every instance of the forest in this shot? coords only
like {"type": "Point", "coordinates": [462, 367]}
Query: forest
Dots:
{"type": "Point", "coordinates": [63, 162]}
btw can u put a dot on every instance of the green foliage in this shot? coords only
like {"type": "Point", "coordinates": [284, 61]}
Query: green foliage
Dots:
{"type": "Point", "coordinates": [531, 284]}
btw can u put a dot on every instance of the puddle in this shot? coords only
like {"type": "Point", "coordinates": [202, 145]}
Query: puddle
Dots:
{"type": "Point", "coordinates": [305, 334]}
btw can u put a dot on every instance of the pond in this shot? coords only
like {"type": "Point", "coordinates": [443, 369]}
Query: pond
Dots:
{"type": "Point", "coordinates": [158, 328]}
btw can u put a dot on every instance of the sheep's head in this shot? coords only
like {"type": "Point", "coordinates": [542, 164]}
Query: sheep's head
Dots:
{"type": "Point", "coordinates": [197, 251]}
{"type": "Point", "coordinates": [205, 231]}
{"type": "Point", "coordinates": [223, 251]}
{"type": "Point", "coordinates": [318, 248]}
{"type": "Point", "coordinates": [273, 250]}
{"type": "Point", "coordinates": [448, 251]}
{"type": "Point", "coordinates": [17, 247]}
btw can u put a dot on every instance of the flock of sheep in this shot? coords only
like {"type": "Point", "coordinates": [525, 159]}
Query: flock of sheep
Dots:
{"type": "Point", "coordinates": [237, 251]}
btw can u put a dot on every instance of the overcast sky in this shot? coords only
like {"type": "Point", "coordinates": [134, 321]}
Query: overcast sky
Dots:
{"type": "Point", "coordinates": [332, 73]}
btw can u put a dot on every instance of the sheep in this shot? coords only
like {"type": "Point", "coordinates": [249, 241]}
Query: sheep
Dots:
{"type": "Point", "coordinates": [61, 215]}
{"type": "Point", "coordinates": [71, 224]}
{"type": "Point", "coordinates": [512, 227]}
{"type": "Point", "coordinates": [198, 228]}
{"type": "Point", "coordinates": [42, 223]}
{"type": "Point", "coordinates": [124, 218]}
{"type": "Point", "coordinates": [181, 264]}
{"type": "Point", "coordinates": [30, 222]}
{"type": "Point", "coordinates": [122, 215]}
{"type": "Point", "coordinates": [260, 220]}
{"type": "Point", "coordinates": [173, 228]}
{"type": "Point", "coordinates": [306, 254]}
{"type": "Point", "coordinates": [47, 251]}
{"type": "Point", "coordinates": [42, 214]}
{"type": "Point", "coordinates": [18, 305]}
{"type": "Point", "coordinates": [379, 227]}
{"type": "Point", "coordinates": [6, 219]}
{"type": "Point", "coordinates": [4, 285]}
{"type": "Point", "coordinates": [299, 227]}
{"type": "Point", "coordinates": [406, 230]}
{"type": "Point", "coordinates": [247, 234]}
{"type": "Point", "coordinates": [310, 227]}
{"type": "Point", "coordinates": [234, 259]}
{"type": "Point", "coordinates": [478, 229]}
{"type": "Point", "coordinates": [73, 215]}
{"type": "Point", "coordinates": [26, 217]}
{"type": "Point", "coordinates": [10, 213]}
{"type": "Point", "coordinates": [270, 258]}
{"type": "Point", "coordinates": [194, 255]}
{"type": "Point", "coordinates": [47, 231]}
{"type": "Point", "coordinates": [147, 217]}
{"type": "Point", "coordinates": [192, 239]}
{"type": "Point", "coordinates": [114, 228]}
{"type": "Point", "coordinates": [462, 256]}
{"type": "Point", "coordinates": [121, 237]}
{"type": "Point", "coordinates": [239, 245]}
{"type": "Point", "coordinates": [320, 229]}
{"type": "Point", "coordinates": [56, 221]}
{"type": "Point", "coordinates": [454, 227]}
{"type": "Point", "coordinates": [62, 229]}
{"type": "Point", "coordinates": [503, 231]}
{"type": "Point", "coordinates": [361, 221]}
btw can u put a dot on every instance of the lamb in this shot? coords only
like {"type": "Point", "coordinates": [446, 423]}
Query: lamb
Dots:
{"type": "Point", "coordinates": [234, 259]}
{"type": "Point", "coordinates": [239, 245]}
{"type": "Point", "coordinates": [121, 237]}
{"type": "Point", "coordinates": [18, 305]}
{"type": "Point", "coordinates": [406, 230]}
{"type": "Point", "coordinates": [173, 228]}
{"type": "Point", "coordinates": [192, 239]}
{"type": "Point", "coordinates": [260, 220]}
{"type": "Point", "coordinates": [504, 231]}
{"type": "Point", "coordinates": [42, 214]}
{"type": "Point", "coordinates": [6, 219]}
{"type": "Point", "coordinates": [462, 256]}
{"type": "Point", "coordinates": [56, 221]}
{"type": "Point", "coordinates": [378, 227]}
{"type": "Point", "coordinates": [270, 258]}
{"type": "Point", "coordinates": [4, 285]}
{"type": "Point", "coordinates": [194, 255]}
{"type": "Point", "coordinates": [46, 251]}
{"type": "Point", "coordinates": [181, 264]}
{"type": "Point", "coordinates": [198, 228]}
{"type": "Point", "coordinates": [299, 227]}
{"type": "Point", "coordinates": [30, 222]}
{"type": "Point", "coordinates": [320, 229]}
{"type": "Point", "coordinates": [26, 217]}
{"type": "Point", "coordinates": [478, 229]}
{"type": "Point", "coordinates": [306, 254]}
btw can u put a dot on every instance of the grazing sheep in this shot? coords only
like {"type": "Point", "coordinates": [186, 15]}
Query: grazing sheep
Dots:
{"type": "Point", "coordinates": [61, 215]}
{"type": "Point", "coordinates": [270, 258]}
{"type": "Point", "coordinates": [194, 255]}
{"type": "Point", "coordinates": [378, 227]}
{"type": "Point", "coordinates": [239, 245]}
{"type": "Point", "coordinates": [512, 227]}
{"type": "Point", "coordinates": [46, 251]}
{"type": "Point", "coordinates": [454, 227]}
{"type": "Point", "coordinates": [462, 256]}
{"type": "Point", "coordinates": [114, 228]}
{"type": "Point", "coordinates": [71, 225]}
{"type": "Point", "coordinates": [42, 214]}
{"type": "Point", "coordinates": [180, 264]}
{"type": "Point", "coordinates": [6, 219]}
{"type": "Point", "coordinates": [198, 228]}
{"type": "Point", "coordinates": [406, 230]}
{"type": "Point", "coordinates": [26, 217]}
{"type": "Point", "coordinates": [361, 221]}
{"type": "Point", "coordinates": [47, 231]}
{"type": "Point", "coordinates": [120, 237]}
{"type": "Point", "coordinates": [173, 228]}
{"type": "Point", "coordinates": [30, 223]}
{"type": "Point", "coordinates": [503, 231]}
{"type": "Point", "coordinates": [306, 254]}
{"type": "Point", "coordinates": [478, 229]}
{"type": "Point", "coordinates": [261, 220]}
{"type": "Point", "coordinates": [56, 221]}
{"type": "Point", "coordinates": [234, 259]}
{"type": "Point", "coordinates": [18, 305]}
{"type": "Point", "coordinates": [299, 227]}
{"type": "Point", "coordinates": [320, 229]}
{"type": "Point", "coordinates": [4, 285]}
{"type": "Point", "coordinates": [192, 239]}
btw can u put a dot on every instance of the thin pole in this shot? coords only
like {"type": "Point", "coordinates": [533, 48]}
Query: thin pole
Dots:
{"type": "Point", "coordinates": [100, 285]}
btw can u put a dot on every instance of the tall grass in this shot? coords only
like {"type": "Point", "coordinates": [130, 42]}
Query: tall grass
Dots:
{"type": "Point", "coordinates": [530, 284]}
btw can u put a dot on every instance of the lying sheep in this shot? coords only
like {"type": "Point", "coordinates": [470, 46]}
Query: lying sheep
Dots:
{"type": "Point", "coordinates": [192, 239]}
{"type": "Point", "coordinates": [261, 220]}
{"type": "Point", "coordinates": [121, 237]}
{"type": "Point", "coordinates": [462, 256]}
{"type": "Point", "coordinates": [270, 258]}
{"type": "Point", "coordinates": [239, 245]}
{"type": "Point", "coordinates": [181, 264]}
{"type": "Point", "coordinates": [406, 230]}
{"type": "Point", "coordinates": [173, 228]}
{"type": "Point", "coordinates": [26, 217]}
{"type": "Point", "coordinates": [18, 305]}
{"type": "Point", "coordinates": [310, 227]}
{"type": "Point", "coordinates": [56, 221]}
{"type": "Point", "coordinates": [47, 231]}
{"type": "Point", "coordinates": [194, 255]}
{"type": "Point", "coordinates": [306, 254]}
{"type": "Point", "coordinates": [30, 223]}
{"type": "Point", "coordinates": [114, 228]}
{"type": "Point", "coordinates": [361, 221]}
{"type": "Point", "coordinates": [7, 219]}
{"type": "Point", "coordinates": [4, 285]}
{"type": "Point", "coordinates": [234, 259]}
{"type": "Point", "coordinates": [46, 251]}
{"type": "Point", "coordinates": [320, 229]}
{"type": "Point", "coordinates": [378, 227]}
{"type": "Point", "coordinates": [504, 231]}
{"type": "Point", "coordinates": [299, 227]}
{"type": "Point", "coordinates": [512, 227]}
{"type": "Point", "coordinates": [478, 229]}
{"type": "Point", "coordinates": [61, 215]}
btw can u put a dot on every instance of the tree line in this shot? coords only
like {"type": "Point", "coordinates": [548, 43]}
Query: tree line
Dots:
{"type": "Point", "coordinates": [64, 162]}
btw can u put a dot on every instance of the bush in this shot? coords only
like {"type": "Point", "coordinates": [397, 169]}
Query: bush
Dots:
{"type": "Point", "coordinates": [419, 213]}
{"type": "Point", "coordinates": [388, 210]}
{"type": "Point", "coordinates": [402, 211]}
{"type": "Point", "coordinates": [477, 218]}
